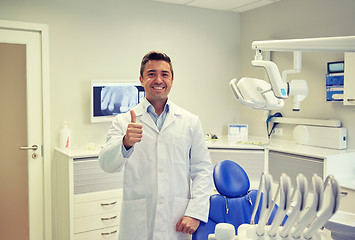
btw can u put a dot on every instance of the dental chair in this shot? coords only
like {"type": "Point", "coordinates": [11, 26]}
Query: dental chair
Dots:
{"type": "Point", "coordinates": [235, 202]}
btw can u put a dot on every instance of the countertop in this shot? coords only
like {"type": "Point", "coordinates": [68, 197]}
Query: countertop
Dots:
{"type": "Point", "coordinates": [225, 143]}
{"type": "Point", "coordinates": [253, 143]}
{"type": "Point", "coordinates": [275, 145]}
{"type": "Point", "coordinates": [80, 152]}
{"type": "Point", "coordinates": [341, 163]}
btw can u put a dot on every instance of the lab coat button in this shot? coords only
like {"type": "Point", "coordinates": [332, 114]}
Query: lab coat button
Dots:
{"type": "Point", "coordinates": [161, 201]}
{"type": "Point", "coordinates": [161, 169]}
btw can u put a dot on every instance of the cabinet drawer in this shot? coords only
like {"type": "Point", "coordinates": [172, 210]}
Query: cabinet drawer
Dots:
{"type": "Point", "coordinates": [347, 197]}
{"type": "Point", "coordinates": [292, 165]}
{"type": "Point", "coordinates": [101, 234]}
{"type": "Point", "coordinates": [89, 177]}
{"type": "Point", "coordinates": [95, 222]}
{"type": "Point", "coordinates": [97, 207]}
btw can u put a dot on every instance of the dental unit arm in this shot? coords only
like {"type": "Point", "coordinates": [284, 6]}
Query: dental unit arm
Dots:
{"type": "Point", "coordinates": [279, 87]}
{"type": "Point", "coordinates": [270, 96]}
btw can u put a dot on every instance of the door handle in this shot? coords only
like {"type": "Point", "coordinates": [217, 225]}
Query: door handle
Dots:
{"type": "Point", "coordinates": [34, 148]}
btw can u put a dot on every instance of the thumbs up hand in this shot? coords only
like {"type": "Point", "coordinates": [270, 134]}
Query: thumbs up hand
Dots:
{"type": "Point", "coordinates": [134, 132]}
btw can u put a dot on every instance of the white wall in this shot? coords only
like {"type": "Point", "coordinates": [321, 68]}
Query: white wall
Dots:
{"type": "Point", "coordinates": [92, 39]}
{"type": "Point", "coordinates": [89, 40]}
{"type": "Point", "coordinates": [289, 19]}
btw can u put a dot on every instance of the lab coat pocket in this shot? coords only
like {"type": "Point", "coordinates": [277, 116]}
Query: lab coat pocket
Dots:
{"type": "Point", "coordinates": [181, 146]}
{"type": "Point", "coordinates": [133, 224]}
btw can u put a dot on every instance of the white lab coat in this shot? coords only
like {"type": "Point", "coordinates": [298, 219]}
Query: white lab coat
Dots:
{"type": "Point", "coordinates": [168, 175]}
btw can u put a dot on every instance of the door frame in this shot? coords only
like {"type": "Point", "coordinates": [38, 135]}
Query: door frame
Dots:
{"type": "Point", "coordinates": [42, 29]}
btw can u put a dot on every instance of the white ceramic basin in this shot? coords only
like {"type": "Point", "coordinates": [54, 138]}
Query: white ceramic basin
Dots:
{"type": "Point", "coordinates": [342, 225]}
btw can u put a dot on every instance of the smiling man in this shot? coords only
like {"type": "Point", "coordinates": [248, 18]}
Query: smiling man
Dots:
{"type": "Point", "coordinates": [167, 167]}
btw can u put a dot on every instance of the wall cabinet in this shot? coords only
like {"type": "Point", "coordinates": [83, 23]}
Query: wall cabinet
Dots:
{"type": "Point", "coordinates": [87, 201]}
{"type": "Point", "coordinates": [349, 78]}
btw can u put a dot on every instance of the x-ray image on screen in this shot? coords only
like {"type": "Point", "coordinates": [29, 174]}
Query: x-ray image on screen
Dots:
{"type": "Point", "coordinates": [112, 99]}
{"type": "Point", "coordinates": [118, 99]}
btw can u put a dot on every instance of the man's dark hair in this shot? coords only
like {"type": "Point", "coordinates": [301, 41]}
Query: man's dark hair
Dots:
{"type": "Point", "coordinates": [154, 55]}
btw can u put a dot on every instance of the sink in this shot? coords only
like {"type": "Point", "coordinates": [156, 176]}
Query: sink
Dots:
{"type": "Point", "coordinates": [342, 225]}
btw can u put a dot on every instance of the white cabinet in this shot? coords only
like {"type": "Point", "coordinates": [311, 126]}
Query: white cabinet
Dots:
{"type": "Point", "coordinates": [279, 157]}
{"type": "Point", "coordinates": [293, 164]}
{"type": "Point", "coordinates": [347, 197]}
{"type": "Point", "coordinates": [88, 200]}
{"type": "Point", "coordinates": [293, 159]}
{"type": "Point", "coordinates": [349, 78]}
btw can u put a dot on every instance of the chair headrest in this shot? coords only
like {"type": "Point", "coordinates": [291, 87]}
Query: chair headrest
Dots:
{"type": "Point", "coordinates": [230, 179]}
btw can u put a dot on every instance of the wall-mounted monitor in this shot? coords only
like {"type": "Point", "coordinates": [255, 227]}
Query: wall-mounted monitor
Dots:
{"type": "Point", "coordinates": [112, 97]}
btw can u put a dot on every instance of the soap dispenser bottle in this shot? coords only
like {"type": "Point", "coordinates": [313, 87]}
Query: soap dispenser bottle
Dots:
{"type": "Point", "coordinates": [65, 136]}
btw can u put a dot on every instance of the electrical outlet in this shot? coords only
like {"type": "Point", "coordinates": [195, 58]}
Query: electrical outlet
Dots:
{"type": "Point", "coordinates": [278, 132]}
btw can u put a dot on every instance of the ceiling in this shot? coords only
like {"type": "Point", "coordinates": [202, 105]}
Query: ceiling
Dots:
{"type": "Point", "coordinates": [226, 5]}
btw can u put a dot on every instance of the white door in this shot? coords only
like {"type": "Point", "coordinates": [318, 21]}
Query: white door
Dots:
{"type": "Point", "coordinates": [22, 200]}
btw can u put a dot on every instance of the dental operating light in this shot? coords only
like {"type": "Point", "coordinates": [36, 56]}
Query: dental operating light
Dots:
{"type": "Point", "coordinates": [259, 94]}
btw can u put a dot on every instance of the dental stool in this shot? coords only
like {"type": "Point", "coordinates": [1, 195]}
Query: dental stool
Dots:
{"type": "Point", "coordinates": [235, 202]}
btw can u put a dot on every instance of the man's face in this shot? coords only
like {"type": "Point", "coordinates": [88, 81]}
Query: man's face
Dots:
{"type": "Point", "coordinates": [157, 80]}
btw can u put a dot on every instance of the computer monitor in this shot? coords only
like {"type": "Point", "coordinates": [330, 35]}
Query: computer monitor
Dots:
{"type": "Point", "coordinates": [112, 97]}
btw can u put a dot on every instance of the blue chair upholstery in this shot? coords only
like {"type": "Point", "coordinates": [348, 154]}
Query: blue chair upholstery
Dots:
{"type": "Point", "coordinates": [235, 202]}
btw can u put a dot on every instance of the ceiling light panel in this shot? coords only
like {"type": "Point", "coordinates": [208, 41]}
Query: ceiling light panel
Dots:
{"type": "Point", "coordinates": [252, 5]}
{"type": "Point", "coordinates": [227, 5]}
{"type": "Point", "coordinates": [221, 4]}
{"type": "Point", "coordinates": [174, 1]}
